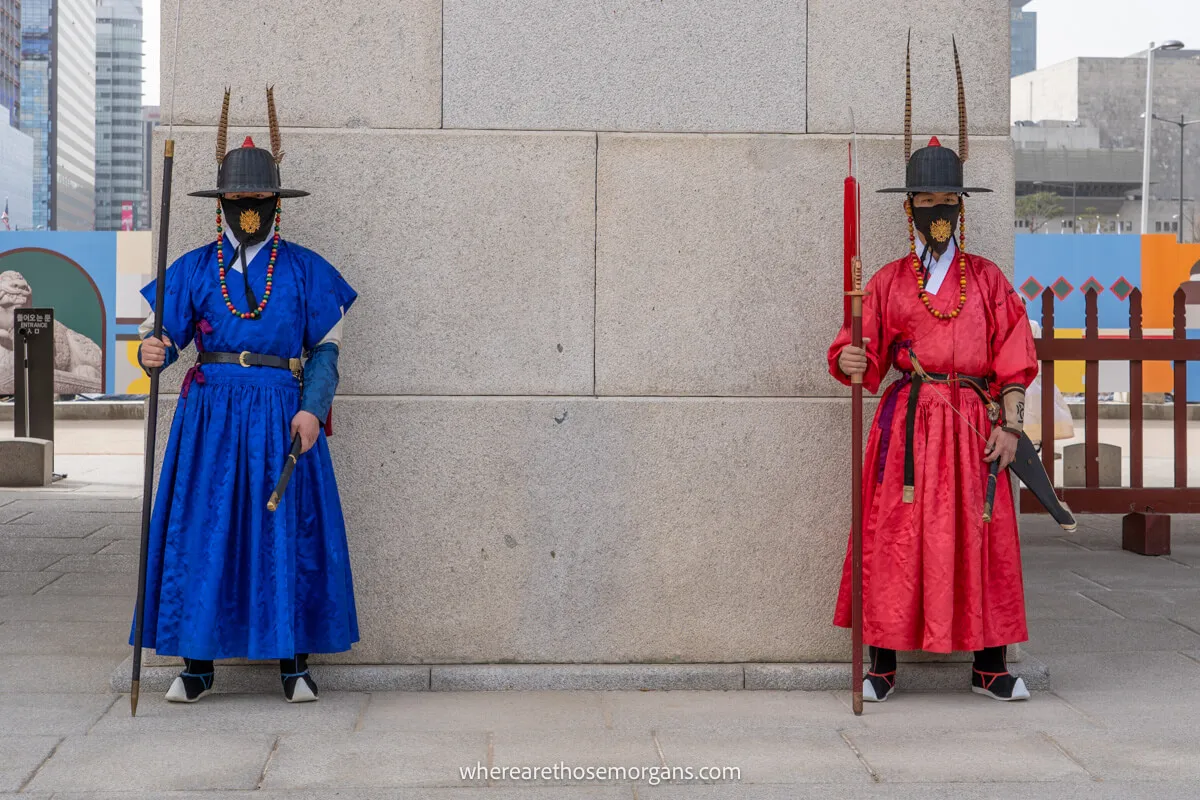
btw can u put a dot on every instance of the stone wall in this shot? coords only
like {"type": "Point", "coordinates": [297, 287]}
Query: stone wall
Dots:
{"type": "Point", "coordinates": [584, 414]}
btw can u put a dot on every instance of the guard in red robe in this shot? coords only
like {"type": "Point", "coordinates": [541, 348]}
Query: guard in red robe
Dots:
{"type": "Point", "coordinates": [936, 576]}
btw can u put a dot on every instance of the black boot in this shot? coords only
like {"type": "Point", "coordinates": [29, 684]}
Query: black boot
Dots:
{"type": "Point", "coordinates": [990, 676]}
{"type": "Point", "coordinates": [881, 678]}
{"type": "Point", "coordinates": [194, 682]}
{"type": "Point", "coordinates": [298, 685]}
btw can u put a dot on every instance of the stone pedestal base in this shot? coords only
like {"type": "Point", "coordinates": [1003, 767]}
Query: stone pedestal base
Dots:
{"type": "Point", "coordinates": [1146, 534]}
{"type": "Point", "coordinates": [26, 462]}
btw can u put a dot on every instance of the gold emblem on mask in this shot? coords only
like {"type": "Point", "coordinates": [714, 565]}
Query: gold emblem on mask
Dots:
{"type": "Point", "coordinates": [251, 222]}
{"type": "Point", "coordinates": [940, 230]}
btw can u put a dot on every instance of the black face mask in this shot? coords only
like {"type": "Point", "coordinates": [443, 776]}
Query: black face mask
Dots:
{"type": "Point", "coordinates": [251, 220]}
{"type": "Point", "coordinates": [937, 224]}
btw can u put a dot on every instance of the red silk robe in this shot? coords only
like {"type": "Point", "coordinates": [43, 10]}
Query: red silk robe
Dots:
{"type": "Point", "coordinates": [935, 577]}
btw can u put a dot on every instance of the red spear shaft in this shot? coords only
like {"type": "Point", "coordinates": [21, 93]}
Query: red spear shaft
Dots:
{"type": "Point", "coordinates": [854, 313]}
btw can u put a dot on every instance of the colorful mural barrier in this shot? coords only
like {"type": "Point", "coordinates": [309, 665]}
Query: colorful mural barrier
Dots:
{"type": "Point", "coordinates": [1114, 265]}
{"type": "Point", "coordinates": [91, 280]}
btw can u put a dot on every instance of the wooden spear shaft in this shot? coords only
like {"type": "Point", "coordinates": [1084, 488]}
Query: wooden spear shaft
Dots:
{"type": "Point", "coordinates": [856, 502]}
{"type": "Point", "coordinates": [139, 620]}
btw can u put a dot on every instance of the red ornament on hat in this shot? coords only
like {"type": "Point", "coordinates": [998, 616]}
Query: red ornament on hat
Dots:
{"type": "Point", "coordinates": [933, 142]}
{"type": "Point", "coordinates": [248, 143]}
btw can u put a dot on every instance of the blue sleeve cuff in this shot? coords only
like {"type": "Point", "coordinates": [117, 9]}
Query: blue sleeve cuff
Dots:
{"type": "Point", "coordinates": [172, 356]}
{"type": "Point", "coordinates": [320, 380]}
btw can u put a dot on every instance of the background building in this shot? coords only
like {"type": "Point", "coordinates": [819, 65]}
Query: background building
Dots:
{"type": "Point", "coordinates": [10, 61]}
{"type": "Point", "coordinates": [16, 177]}
{"type": "Point", "coordinates": [150, 120]}
{"type": "Point", "coordinates": [120, 135]}
{"type": "Point", "coordinates": [1109, 96]}
{"type": "Point", "coordinates": [1023, 27]}
{"type": "Point", "coordinates": [58, 109]}
{"type": "Point", "coordinates": [585, 414]}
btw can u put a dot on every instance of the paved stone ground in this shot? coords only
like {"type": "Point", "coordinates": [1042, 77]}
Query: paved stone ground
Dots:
{"type": "Point", "coordinates": [1121, 634]}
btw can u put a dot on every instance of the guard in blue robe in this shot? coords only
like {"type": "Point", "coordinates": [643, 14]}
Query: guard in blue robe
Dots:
{"type": "Point", "coordinates": [227, 578]}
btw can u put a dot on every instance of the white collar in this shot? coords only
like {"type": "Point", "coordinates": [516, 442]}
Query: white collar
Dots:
{"type": "Point", "coordinates": [251, 251]}
{"type": "Point", "coordinates": [938, 268]}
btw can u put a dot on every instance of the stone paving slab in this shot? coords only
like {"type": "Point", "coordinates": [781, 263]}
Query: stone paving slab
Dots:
{"type": "Point", "coordinates": [155, 761]}
{"type": "Point", "coordinates": [78, 674]}
{"type": "Point", "coordinates": [1144, 756]}
{"type": "Point", "coordinates": [76, 529]}
{"type": "Point", "coordinates": [119, 547]}
{"type": "Point", "coordinates": [114, 532]}
{"type": "Point", "coordinates": [88, 584]}
{"type": "Point", "coordinates": [1059, 790]}
{"type": "Point", "coordinates": [788, 756]}
{"type": "Point", "coordinates": [20, 756]}
{"type": "Point", "coordinates": [335, 712]}
{"type": "Point", "coordinates": [25, 502]}
{"type": "Point", "coordinates": [608, 792]}
{"type": "Point", "coordinates": [1066, 605]}
{"type": "Point", "coordinates": [1053, 637]}
{"type": "Point", "coordinates": [958, 756]}
{"type": "Point", "coordinates": [28, 714]}
{"type": "Point", "coordinates": [734, 711]}
{"type": "Point", "coordinates": [373, 760]}
{"type": "Point", "coordinates": [123, 565]}
{"type": "Point", "coordinates": [485, 711]}
{"type": "Point", "coordinates": [67, 639]}
{"type": "Point", "coordinates": [28, 561]}
{"type": "Point", "coordinates": [24, 583]}
{"type": "Point", "coordinates": [581, 748]}
{"type": "Point", "coordinates": [56, 515]}
{"type": "Point", "coordinates": [65, 608]}
{"type": "Point", "coordinates": [1145, 603]}
{"type": "Point", "coordinates": [33, 544]}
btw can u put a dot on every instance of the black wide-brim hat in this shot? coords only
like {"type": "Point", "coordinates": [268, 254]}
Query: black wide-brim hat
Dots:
{"type": "Point", "coordinates": [249, 169]}
{"type": "Point", "coordinates": [934, 169]}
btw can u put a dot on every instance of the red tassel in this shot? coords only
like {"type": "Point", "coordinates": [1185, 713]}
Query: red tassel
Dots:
{"type": "Point", "coordinates": [248, 143]}
{"type": "Point", "coordinates": [329, 423]}
{"type": "Point", "coordinates": [933, 142]}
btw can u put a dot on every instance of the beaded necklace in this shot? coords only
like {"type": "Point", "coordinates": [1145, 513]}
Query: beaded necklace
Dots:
{"type": "Point", "coordinates": [962, 267]}
{"type": "Point", "coordinates": [262, 305]}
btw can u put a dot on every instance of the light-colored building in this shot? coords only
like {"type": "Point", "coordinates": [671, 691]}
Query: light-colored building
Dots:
{"type": "Point", "coordinates": [58, 109]}
{"type": "Point", "coordinates": [150, 157]}
{"type": "Point", "coordinates": [120, 135]}
{"type": "Point", "coordinates": [1109, 95]}
{"type": "Point", "coordinates": [584, 413]}
{"type": "Point", "coordinates": [16, 177]}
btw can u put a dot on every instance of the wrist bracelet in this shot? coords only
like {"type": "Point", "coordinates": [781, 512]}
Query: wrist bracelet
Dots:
{"type": "Point", "coordinates": [1013, 431]}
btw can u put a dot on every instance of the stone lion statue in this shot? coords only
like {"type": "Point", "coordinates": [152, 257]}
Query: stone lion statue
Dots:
{"type": "Point", "coordinates": [77, 359]}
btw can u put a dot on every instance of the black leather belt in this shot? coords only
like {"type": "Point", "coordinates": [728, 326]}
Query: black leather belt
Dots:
{"type": "Point", "coordinates": [248, 359]}
{"type": "Point", "coordinates": [919, 378]}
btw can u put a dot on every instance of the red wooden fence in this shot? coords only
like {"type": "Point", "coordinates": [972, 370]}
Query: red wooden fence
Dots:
{"type": "Point", "coordinates": [1091, 349]}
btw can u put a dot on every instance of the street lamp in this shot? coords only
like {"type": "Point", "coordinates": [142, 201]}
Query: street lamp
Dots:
{"type": "Point", "coordinates": [1182, 127]}
{"type": "Point", "coordinates": [1173, 44]}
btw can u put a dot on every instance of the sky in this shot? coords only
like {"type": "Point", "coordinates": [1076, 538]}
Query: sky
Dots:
{"type": "Point", "coordinates": [1066, 29]}
{"type": "Point", "coordinates": [1071, 28]}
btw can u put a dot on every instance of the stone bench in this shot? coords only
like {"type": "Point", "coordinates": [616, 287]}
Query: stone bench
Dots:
{"type": "Point", "coordinates": [26, 462]}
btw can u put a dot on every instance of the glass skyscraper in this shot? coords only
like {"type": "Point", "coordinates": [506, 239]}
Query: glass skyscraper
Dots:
{"type": "Point", "coordinates": [58, 109]}
{"type": "Point", "coordinates": [1024, 37]}
{"type": "Point", "coordinates": [10, 61]}
{"type": "Point", "coordinates": [120, 136]}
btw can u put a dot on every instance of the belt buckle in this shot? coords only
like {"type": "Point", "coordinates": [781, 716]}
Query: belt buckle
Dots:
{"type": "Point", "coordinates": [296, 367]}
{"type": "Point", "coordinates": [242, 356]}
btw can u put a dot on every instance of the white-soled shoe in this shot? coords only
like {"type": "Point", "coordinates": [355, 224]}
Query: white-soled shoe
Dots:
{"type": "Point", "coordinates": [299, 688]}
{"type": "Point", "coordinates": [878, 688]}
{"type": "Point", "coordinates": [998, 685]}
{"type": "Point", "coordinates": [189, 688]}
